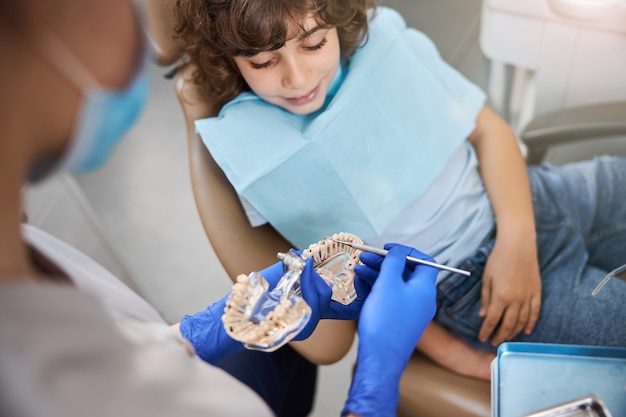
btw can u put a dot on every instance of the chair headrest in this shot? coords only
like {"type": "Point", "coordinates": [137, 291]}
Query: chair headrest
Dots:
{"type": "Point", "coordinates": [161, 22]}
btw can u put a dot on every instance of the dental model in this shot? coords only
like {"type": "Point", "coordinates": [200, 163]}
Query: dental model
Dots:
{"type": "Point", "coordinates": [335, 263]}
{"type": "Point", "coordinates": [266, 320]}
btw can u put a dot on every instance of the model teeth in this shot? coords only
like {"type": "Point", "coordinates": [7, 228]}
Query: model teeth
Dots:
{"type": "Point", "coordinates": [335, 263]}
{"type": "Point", "coordinates": [266, 320]}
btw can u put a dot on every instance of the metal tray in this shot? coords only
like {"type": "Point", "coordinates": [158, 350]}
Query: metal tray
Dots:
{"type": "Point", "coordinates": [527, 377]}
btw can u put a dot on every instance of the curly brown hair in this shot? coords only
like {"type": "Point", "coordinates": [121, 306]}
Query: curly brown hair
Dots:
{"type": "Point", "coordinates": [212, 32]}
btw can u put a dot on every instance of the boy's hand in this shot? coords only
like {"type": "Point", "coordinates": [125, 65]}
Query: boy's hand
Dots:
{"type": "Point", "coordinates": [511, 293]}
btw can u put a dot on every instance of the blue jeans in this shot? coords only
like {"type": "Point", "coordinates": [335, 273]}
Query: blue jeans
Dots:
{"type": "Point", "coordinates": [580, 215]}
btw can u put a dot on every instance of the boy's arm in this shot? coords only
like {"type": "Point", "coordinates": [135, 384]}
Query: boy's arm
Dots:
{"type": "Point", "coordinates": [329, 343]}
{"type": "Point", "coordinates": [511, 291]}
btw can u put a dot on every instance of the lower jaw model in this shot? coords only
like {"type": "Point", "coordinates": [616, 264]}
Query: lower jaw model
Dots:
{"type": "Point", "coordinates": [264, 319]}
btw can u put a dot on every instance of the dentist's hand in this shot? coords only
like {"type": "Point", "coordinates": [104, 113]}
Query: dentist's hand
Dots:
{"type": "Point", "coordinates": [317, 294]}
{"type": "Point", "coordinates": [205, 331]}
{"type": "Point", "coordinates": [401, 304]}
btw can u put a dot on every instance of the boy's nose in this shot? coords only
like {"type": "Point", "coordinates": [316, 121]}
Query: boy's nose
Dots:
{"type": "Point", "coordinates": [295, 74]}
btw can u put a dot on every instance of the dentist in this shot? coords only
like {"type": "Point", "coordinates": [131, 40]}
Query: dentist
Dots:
{"type": "Point", "coordinates": [74, 341]}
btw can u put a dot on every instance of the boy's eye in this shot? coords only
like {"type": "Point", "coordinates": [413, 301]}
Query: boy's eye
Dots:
{"type": "Point", "coordinates": [262, 65]}
{"type": "Point", "coordinates": [316, 46]}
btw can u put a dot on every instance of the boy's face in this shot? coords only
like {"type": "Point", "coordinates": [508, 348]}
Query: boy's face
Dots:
{"type": "Point", "coordinates": [295, 77]}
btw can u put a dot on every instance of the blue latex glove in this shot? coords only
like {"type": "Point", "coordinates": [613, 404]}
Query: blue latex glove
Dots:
{"type": "Point", "coordinates": [398, 309]}
{"type": "Point", "coordinates": [205, 331]}
{"type": "Point", "coordinates": [317, 295]}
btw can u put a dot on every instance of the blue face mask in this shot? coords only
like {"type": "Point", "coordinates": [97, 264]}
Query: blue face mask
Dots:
{"type": "Point", "coordinates": [104, 117]}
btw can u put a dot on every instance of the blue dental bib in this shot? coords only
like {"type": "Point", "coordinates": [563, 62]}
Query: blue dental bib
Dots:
{"type": "Point", "coordinates": [397, 116]}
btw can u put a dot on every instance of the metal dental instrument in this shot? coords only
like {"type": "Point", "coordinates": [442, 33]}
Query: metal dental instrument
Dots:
{"type": "Point", "coordinates": [383, 252]}
{"type": "Point", "coordinates": [617, 272]}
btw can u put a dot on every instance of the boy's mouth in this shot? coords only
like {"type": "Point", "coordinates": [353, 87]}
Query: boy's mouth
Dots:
{"type": "Point", "coordinates": [298, 101]}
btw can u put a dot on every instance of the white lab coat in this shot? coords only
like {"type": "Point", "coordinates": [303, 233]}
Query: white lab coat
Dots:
{"type": "Point", "coordinates": [94, 348]}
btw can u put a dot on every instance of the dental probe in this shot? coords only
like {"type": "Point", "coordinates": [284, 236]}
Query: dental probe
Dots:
{"type": "Point", "coordinates": [383, 252]}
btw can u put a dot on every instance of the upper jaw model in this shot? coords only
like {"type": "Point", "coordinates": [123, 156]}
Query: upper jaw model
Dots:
{"type": "Point", "coordinates": [264, 319]}
{"type": "Point", "coordinates": [335, 263]}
